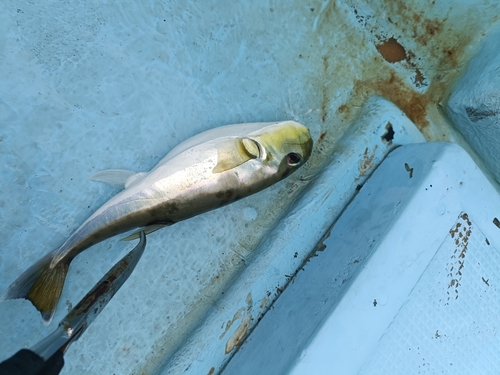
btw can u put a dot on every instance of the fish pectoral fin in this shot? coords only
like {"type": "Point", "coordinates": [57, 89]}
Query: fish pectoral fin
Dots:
{"type": "Point", "coordinates": [120, 178]}
{"type": "Point", "coordinates": [235, 152]}
{"type": "Point", "coordinates": [147, 230]}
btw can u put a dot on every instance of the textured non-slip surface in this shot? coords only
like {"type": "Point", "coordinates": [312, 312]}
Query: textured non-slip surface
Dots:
{"type": "Point", "coordinates": [449, 323]}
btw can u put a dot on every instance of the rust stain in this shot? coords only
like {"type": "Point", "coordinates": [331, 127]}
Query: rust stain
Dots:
{"type": "Point", "coordinates": [321, 137]}
{"type": "Point", "coordinates": [429, 44]}
{"type": "Point", "coordinates": [211, 372]}
{"type": "Point", "coordinates": [411, 102]}
{"type": "Point", "coordinates": [391, 50]}
{"type": "Point", "coordinates": [419, 79]}
{"type": "Point", "coordinates": [432, 27]}
{"type": "Point", "coordinates": [428, 32]}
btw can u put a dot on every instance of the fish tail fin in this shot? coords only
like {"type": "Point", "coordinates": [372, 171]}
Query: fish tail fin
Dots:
{"type": "Point", "coordinates": [41, 284]}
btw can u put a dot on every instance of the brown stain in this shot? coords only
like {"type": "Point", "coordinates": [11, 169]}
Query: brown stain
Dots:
{"type": "Point", "coordinates": [321, 137]}
{"type": "Point", "coordinates": [433, 27]}
{"type": "Point", "coordinates": [324, 93]}
{"type": "Point", "coordinates": [391, 50]}
{"type": "Point", "coordinates": [343, 108]}
{"type": "Point", "coordinates": [330, 10]}
{"type": "Point", "coordinates": [419, 78]}
{"type": "Point", "coordinates": [212, 371]}
{"type": "Point", "coordinates": [451, 56]}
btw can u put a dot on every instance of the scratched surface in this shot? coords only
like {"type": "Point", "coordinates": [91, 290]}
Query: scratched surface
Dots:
{"type": "Point", "coordinates": [87, 86]}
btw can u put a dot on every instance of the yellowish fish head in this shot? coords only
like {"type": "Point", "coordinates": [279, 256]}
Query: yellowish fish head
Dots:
{"type": "Point", "coordinates": [287, 144]}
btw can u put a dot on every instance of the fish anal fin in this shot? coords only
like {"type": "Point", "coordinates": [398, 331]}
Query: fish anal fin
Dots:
{"type": "Point", "coordinates": [41, 284]}
{"type": "Point", "coordinates": [147, 230]}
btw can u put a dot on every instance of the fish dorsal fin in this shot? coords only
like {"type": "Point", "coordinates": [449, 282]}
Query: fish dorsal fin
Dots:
{"type": "Point", "coordinates": [119, 178]}
{"type": "Point", "coordinates": [235, 152]}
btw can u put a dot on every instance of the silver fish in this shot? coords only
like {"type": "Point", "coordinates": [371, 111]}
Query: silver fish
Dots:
{"type": "Point", "coordinates": [210, 170]}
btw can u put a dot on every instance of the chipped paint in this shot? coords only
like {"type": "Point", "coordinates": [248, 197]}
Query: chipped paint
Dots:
{"type": "Point", "coordinates": [409, 170]}
{"type": "Point", "coordinates": [391, 50]}
{"type": "Point", "coordinates": [244, 314]}
{"type": "Point", "coordinates": [367, 163]}
{"type": "Point", "coordinates": [238, 335]}
{"type": "Point", "coordinates": [461, 233]}
{"type": "Point", "coordinates": [388, 136]}
{"type": "Point", "coordinates": [264, 302]}
{"type": "Point", "coordinates": [496, 222]}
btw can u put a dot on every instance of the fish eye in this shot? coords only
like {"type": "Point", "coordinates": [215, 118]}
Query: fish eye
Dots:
{"type": "Point", "coordinates": [293, 159]}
